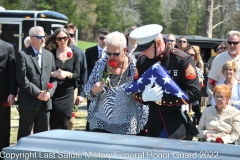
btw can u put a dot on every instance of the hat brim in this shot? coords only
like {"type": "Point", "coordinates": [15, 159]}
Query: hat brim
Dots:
{"type": "Point", "coordinates": [143, 47]}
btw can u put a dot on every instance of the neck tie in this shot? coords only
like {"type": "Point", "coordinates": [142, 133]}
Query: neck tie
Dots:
{"type": "Point", "coordinates": [39, 58]}
{"type": "Point", "coordinates": [100, 54]}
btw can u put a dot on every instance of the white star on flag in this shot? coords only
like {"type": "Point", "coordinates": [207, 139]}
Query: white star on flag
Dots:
{"type": "Point", "coordinates": [179, 94]}
{"type": "Point", "coordinates": [166, 91]}
{"type": "Point", "coordinates": [166, 79]}
{"type": "Point", "coordinates": [139, 80]}
{"type": "Point", "coordinates": [155, 66]}
{"type": "Point", "coordinates": [152, 79]}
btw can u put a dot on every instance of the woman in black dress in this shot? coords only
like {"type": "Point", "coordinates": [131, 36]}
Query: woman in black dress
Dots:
{"type": "Point", "coordinates": [67, 73]}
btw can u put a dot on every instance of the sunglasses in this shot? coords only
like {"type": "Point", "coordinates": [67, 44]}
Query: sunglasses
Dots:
{"type": "Point", "coordinates": [170, 40]}
{"type": "Point", "coordinates": [39, 37]}
{"type": "Point", "coordinates": [143, 47]}
{"type": "Point", "coordinates": [61, 38]}
{"type": "Point", "coordinates": [102, 38]}
{"type": "Point", "coordinates": [192, 55]}
{"type": "Point", "coordinates": [234, 43]}
{"type": "Point", "coordinates": [112, 53]}
{"type": "Point", "coordinates": [71, 35]}
{"type": "Point", "coordinates": [182, 41]}
{"type": "Point", "coordinates": [223, 47]}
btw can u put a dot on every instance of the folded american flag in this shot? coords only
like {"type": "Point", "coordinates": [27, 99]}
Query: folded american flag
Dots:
{"type": "Point", "coordinates": [157, 74]}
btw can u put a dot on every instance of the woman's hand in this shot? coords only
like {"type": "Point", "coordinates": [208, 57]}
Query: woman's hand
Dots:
{"type": "Point", "coordinates": [207, 135]}
{"type": "Point", "coordinates": [97, 87]}
{"type": "Point", "coordinates": [62, 74]}
{"type": "Point", "coordinates": [56, 73]}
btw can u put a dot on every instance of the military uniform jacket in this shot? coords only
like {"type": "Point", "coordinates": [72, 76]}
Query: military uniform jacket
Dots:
{"type": "Point", "coordinates": [168, 114]}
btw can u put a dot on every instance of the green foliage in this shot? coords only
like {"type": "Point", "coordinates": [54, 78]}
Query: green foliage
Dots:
{"type": "Point", "coordinates": [84, 44]}
{"type": "Point", "coordinates": [11, 4]}
{"type": "Point", "coordinates": [149, 12]}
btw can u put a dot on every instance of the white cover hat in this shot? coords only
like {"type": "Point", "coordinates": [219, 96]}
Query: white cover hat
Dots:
{"type": "Point", "coordinates": [146, 34]}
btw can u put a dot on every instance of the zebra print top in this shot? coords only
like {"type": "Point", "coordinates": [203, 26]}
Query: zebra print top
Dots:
{"type": "Point", "coordinates": [114, 110]}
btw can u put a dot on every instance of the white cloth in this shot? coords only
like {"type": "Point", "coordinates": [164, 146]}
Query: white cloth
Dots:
{"type": "Point", "coordinates": [235, 98]}
{"type": "Point", "coordinates": [218, 62]}
{"type": "Point", "coordinates": [39, 55]}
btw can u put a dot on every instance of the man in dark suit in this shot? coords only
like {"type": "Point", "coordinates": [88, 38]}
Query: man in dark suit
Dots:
{"type": "Point", "coordinates": [78, 93]}
{"type": "Point", "coordinates": [34, 66]}
{"type": "Point", "coordinates": [93, 54]}
{"type": "Point", "coordinates": [71, 29]}
{"type": "Point", "coordinates": [8, 89]}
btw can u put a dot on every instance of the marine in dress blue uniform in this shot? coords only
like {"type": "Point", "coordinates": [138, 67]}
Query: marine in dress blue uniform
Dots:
{"type": "Point", "coordinates": [165, 117]}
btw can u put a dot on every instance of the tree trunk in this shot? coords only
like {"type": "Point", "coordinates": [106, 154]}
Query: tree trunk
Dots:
{"type": "Point", "coordinates": [208, 18]}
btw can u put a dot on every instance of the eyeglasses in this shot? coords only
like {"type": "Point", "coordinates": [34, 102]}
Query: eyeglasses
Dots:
{"type": "Point", "coordinates": [218, 49]}
{"type": "Point", "coordinates": [234, 43]}
{"type": "Point", "coordinates": [143, 47]}
{"type": "Point", "coordinates": [223, 47]}
{"type": "Point", "coordinates": [112, 53]}
{"type": "Point", "coordinates": [71, 35]}
{"type": "Point", "coordinates": [102, 38]}
{"type": "Point", "coordinates": [39, 37]}
{"type": "Point", "coordinates": [170, 40]}
{"type": "Point", "coordinates": [220, 97]}
{"type": "Point", "coordinates": [61, 38]}
{"type": "Point", "coordinates": [182, 41]}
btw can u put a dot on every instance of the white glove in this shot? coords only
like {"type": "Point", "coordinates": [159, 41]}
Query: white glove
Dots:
{"type": "Point", "coordinates": [152, 94]}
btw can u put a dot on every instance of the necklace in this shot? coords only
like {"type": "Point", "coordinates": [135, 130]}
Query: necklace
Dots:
{"type": "Point", "coordinates": [121, 74]}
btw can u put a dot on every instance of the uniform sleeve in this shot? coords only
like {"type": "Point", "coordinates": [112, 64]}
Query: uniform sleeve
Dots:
{"type": "Point", "coordinates": [190, 80]}
{"type": "Point", "coordinates": [12, 71]}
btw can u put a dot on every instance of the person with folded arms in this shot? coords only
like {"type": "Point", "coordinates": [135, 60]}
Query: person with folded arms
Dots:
{"type": "Point", "coordinates": [165, 117]}
{"type": "Point", "coordinates": [221, 122]}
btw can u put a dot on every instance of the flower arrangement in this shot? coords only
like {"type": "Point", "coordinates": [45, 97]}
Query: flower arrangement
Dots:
{"type": "Point", "coordinates": [69, 55]}
{"type": "Point", "coordinates": [105, 75]}
{"type": "Point", "coordinates": [5, 104]}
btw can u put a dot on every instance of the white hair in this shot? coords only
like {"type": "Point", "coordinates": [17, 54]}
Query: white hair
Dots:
{"type": "Point", "coordinates": [27, 41]}
{"type": "Point", "coordinates": [233, 33]}
{"type": "Point", "coordinates": [33, 31]}
{"type": "Point", "coordinates": [116, 39]}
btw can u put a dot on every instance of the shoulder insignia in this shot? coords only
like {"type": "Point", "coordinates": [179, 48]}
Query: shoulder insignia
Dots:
{"type": "Point", "coordinates": [190, 72]}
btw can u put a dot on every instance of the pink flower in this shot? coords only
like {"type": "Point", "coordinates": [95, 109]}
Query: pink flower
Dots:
{"type": "Point", "coordinates": [69, 54]}
{"type": "Point", "coordinates": [112, 63]}
{"type": "Point", "coordinates": [213, 82]}
{"type": "Point", "coordinates": [49, 85]}
{"type": "Point", "coordinates": [219, 140]}
{"type": "Point", "coordinates": [74, 114]}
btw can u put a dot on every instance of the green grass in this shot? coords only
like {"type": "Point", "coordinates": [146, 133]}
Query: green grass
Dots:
{"type": "Point", "coordinates": [80, 123]}
{"type": "Point", "coordinates": [84, 45]}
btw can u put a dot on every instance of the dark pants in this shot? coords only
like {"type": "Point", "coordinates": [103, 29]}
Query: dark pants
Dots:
{"type": "Point", "coordinates": [58, 120]}
{"type": "Point", "coordinates": [40, 119]}
{"type": "Point", "coordinates": [197, 114]}
{"type": "Point", "coordinates": [4, 127]}
{"type": "Point", "coordinates": [87, 124]}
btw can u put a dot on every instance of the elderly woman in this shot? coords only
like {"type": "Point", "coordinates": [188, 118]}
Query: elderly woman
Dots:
{"type": "Point", "coordinates": [229, 70]}
{"type": "Point", "coordinates": [67, 73]}
{"type": "Point", "coordinates": [220, 123]}
{"type": "Point", "coordinates": [112, 110]}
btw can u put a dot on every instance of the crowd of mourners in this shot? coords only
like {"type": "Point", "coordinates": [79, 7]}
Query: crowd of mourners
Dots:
{"type": "Point", "coordinates": [51, 75]}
